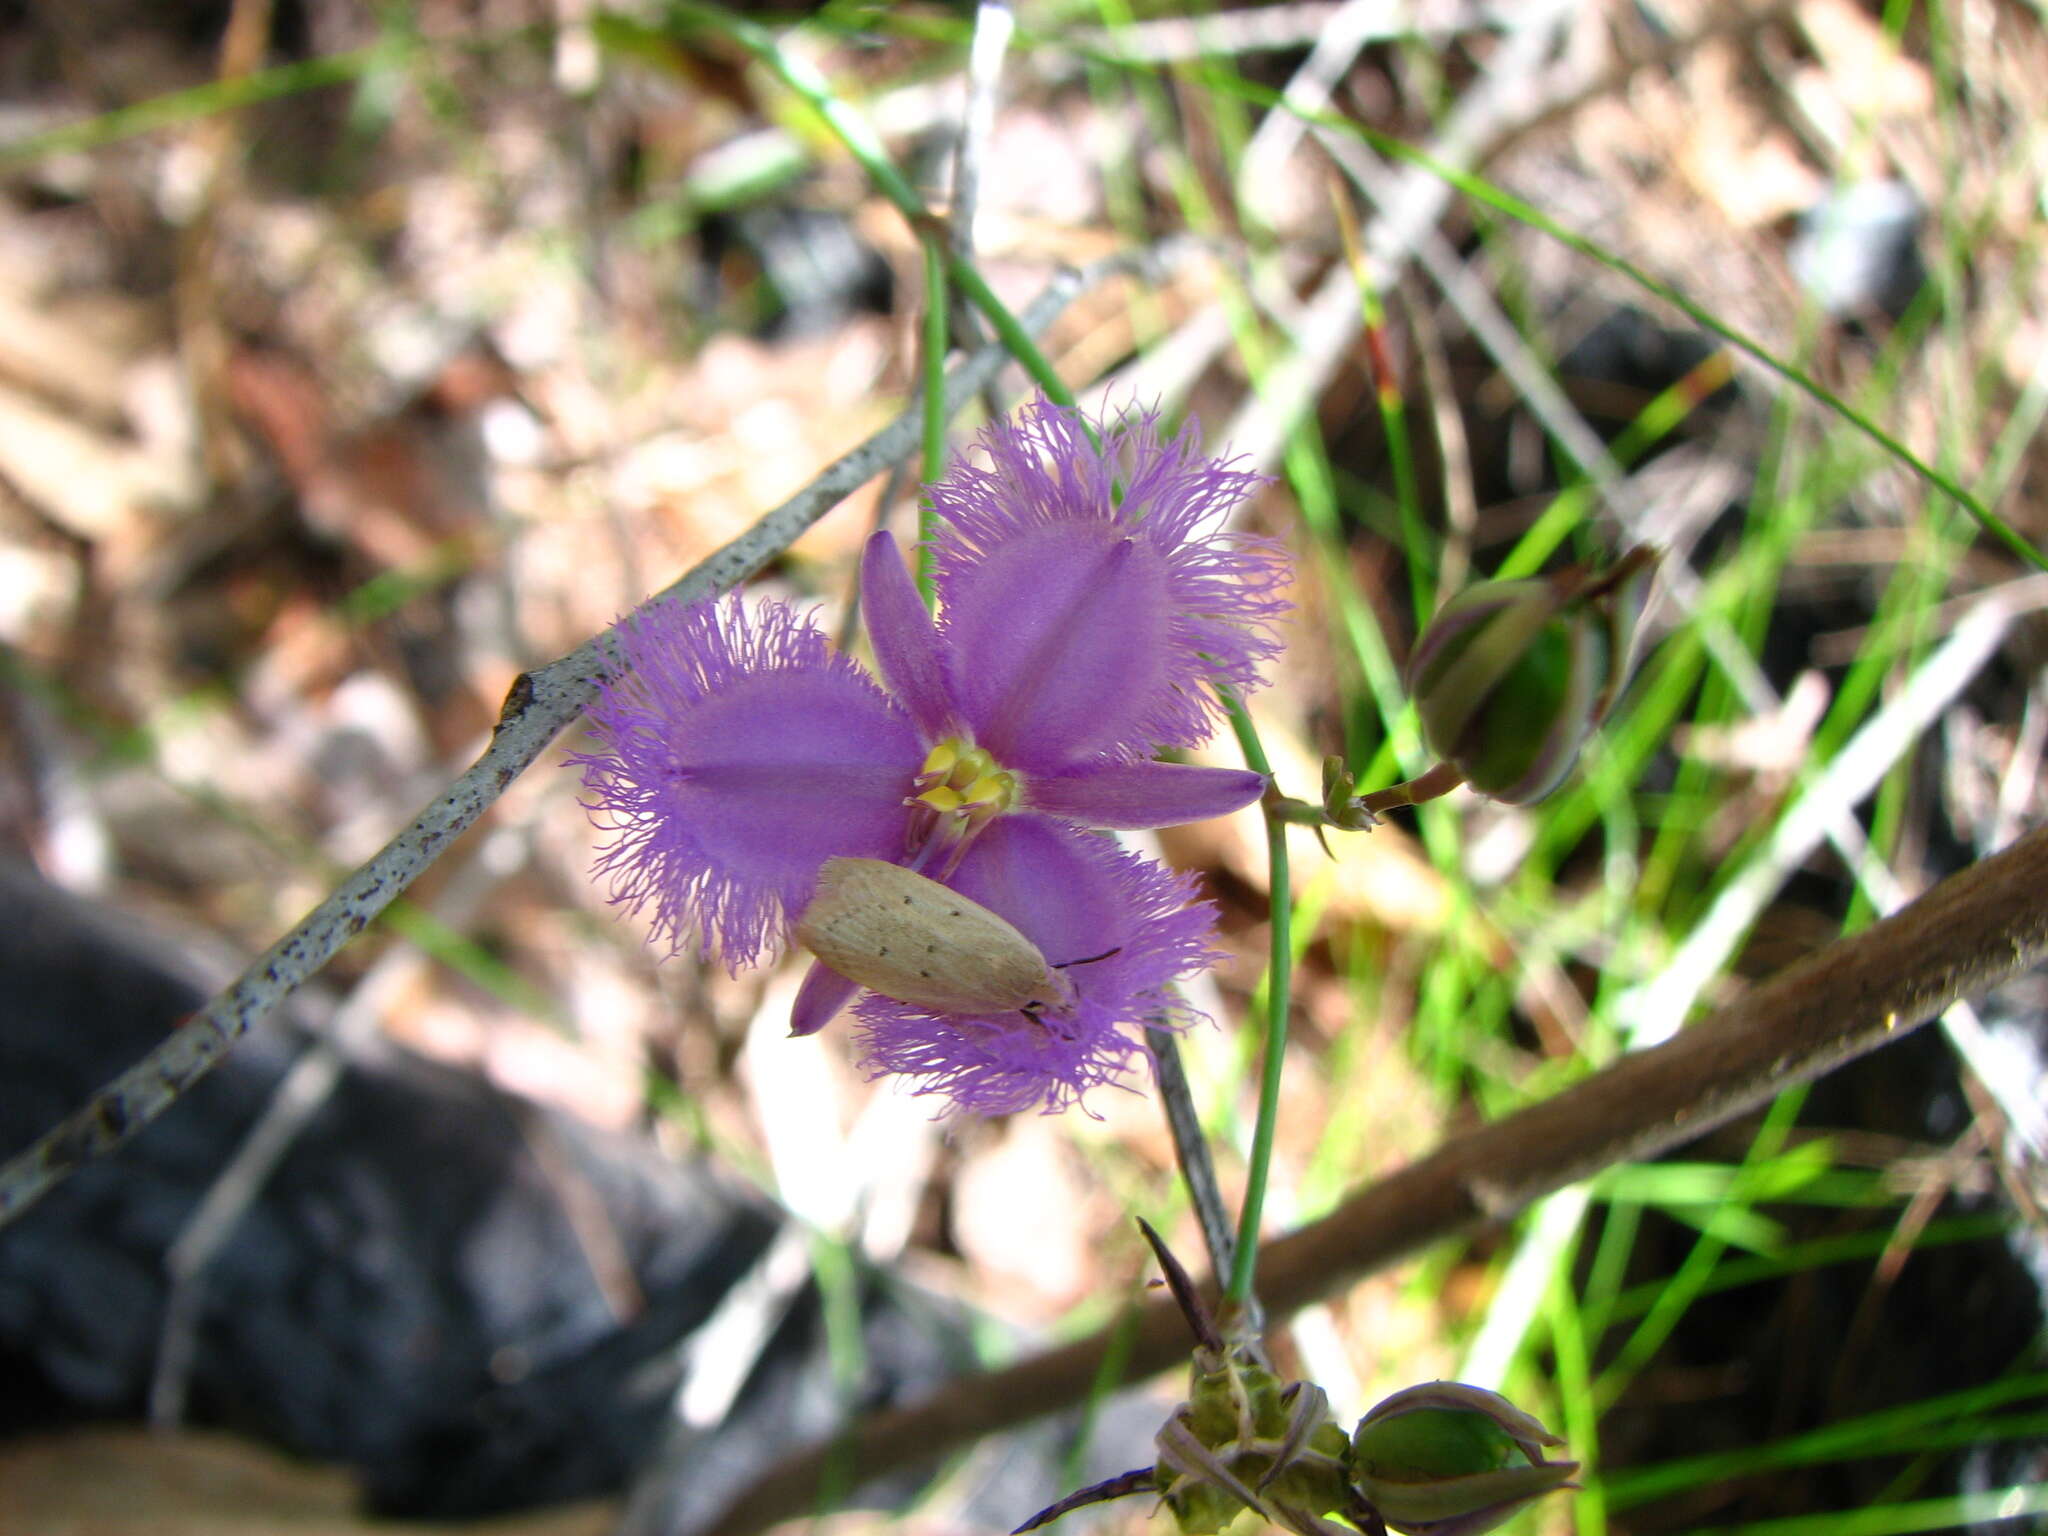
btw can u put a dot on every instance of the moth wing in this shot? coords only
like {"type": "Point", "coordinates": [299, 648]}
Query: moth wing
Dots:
{"type": "Point", "coordinates": [908, 937]}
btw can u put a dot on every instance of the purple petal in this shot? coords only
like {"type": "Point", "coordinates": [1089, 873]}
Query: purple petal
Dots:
{"type": "Point", "coordinates": [1132, 796]}
{"type": "Point", "coordinates": [736, 753]}
{"type": "Point", "coordinates": [1059, 643]}
{"type": "Point", "coordinates": [1214, 598]}
{"type": "Point", "coordinates": [1122, 927]}
{"type": "Point", "coordinates": [905, 640]}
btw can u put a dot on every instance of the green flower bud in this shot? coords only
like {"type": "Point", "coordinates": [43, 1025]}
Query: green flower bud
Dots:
{"type": "Point", "coordinates": [1444, 1459]}
{"type": "Point", "coordinates": [1511, 676]}
{"type": "Point", "coordinates": [1243, 1441]}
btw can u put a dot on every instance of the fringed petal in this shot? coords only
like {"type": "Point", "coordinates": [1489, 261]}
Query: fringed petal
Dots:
{"type": "Point", "coordinates": [1192, 605]}
{"type": "Point", "coordinates": [736, 753]}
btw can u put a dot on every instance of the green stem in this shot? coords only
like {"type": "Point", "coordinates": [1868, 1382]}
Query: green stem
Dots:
{"type": "Point", "coordinates": [175, 108]}
{"type": "Point", "coordinates": [1009, 331]}
{"type": "Point", "coordinates": [1433, 785]}
{"type": "Point", "coordinates": [1480, 190]}
{"type": "Point", "coordinates": [1422, 574]}
{"type": "Point", "coordinates": [935, 339]}
{"type": "Point", "coordinates": [861, 142]}
{"type": "Point", "coordinates": [1278, 974]}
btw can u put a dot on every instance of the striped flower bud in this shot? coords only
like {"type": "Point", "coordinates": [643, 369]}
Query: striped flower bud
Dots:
{"type": "Point", "coordinates": [1512, 676]}
{"type": "Point", "coordinates": [1444, 1459]}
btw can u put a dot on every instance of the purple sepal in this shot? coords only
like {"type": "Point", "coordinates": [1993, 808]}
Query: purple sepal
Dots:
{"type": "Point", "coordinates": [818, 1000]}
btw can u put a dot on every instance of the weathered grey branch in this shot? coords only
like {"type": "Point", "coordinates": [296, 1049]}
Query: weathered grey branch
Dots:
{"type": "Point", "coordinates": [541, 705]}
{"type": "Point", "coordinates": [1191, 1147]}
{"type": "Point", "coordinates": [1968, 933]}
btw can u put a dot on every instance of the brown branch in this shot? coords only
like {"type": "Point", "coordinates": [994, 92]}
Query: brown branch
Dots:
{"type": "Point", "coordinates": [1969, 933]}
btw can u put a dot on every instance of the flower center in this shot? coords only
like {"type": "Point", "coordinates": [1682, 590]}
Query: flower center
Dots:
{"type": "Point", "coordinates": [959, 790]}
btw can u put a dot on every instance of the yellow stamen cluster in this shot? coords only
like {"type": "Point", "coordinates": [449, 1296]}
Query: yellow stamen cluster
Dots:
{"type": "Point", "coordinates": [962, 784]}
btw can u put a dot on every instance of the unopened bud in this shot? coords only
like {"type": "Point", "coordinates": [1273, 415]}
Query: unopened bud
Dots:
{"type": "Point", "coordinates": [1243, 1441]}
{"type": "Point", "coordinates": [1444, 1459]}
{"type": "Point", "coordinates": [1511, 676]}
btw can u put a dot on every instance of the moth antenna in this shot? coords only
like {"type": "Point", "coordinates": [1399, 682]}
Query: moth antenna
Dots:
{"type": "Point", "coordinates": [1033, 1009]}
{"type": "Point", "coordinates": [1089, 960]}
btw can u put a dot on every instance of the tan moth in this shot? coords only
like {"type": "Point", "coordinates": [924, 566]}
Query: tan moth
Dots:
{"type": "Point", "coordinates": [905, 936]}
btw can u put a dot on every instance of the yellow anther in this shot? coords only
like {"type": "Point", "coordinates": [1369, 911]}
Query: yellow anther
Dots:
{"type": "Point", "coordinates": [941, 798]}
{"type": "Point", "coordinates": [960, 790]}
{"type": "Point", "coordinates": [995, 789]}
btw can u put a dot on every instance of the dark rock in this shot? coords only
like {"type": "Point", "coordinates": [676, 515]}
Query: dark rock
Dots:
{"type": "Point", "coordinates": [406, 1294]}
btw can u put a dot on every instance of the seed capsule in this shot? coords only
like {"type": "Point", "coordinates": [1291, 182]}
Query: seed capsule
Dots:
{"type": "Point", "coordinates": [1511, 677]}
{"type": "Point", "coordinates": [908, 937]}
{"type": "Point", "coordinates": [1444, 1457]}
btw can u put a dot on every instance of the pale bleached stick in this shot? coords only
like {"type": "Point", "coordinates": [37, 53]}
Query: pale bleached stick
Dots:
{"type": "Point", "coordinates": [1276, 29]}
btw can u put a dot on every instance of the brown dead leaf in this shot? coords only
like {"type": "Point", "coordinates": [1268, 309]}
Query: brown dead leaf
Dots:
{"type": "Point", "coordinates": [1733, 154]}
{"type": "Point", "coordinates": [1863, 67]}
{"type": "Point", "coordinates": [131, 1482]}
{"type": "Point", "coordinates": [1028, 1221]}
{"type": "Point", "coordinates": [83, 480]}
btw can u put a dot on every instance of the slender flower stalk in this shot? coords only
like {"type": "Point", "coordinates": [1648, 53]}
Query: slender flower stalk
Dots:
{"type": "Point", "coordinates": [1089, 604]}
{"type": "Point", "coordinates": [1279, 974]}
{"type": "Point", "coordinates": [936, 299]}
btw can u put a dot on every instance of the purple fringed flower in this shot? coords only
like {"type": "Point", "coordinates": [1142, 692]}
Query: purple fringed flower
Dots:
{"type": "Point", "coordinates": [1087, 603]}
